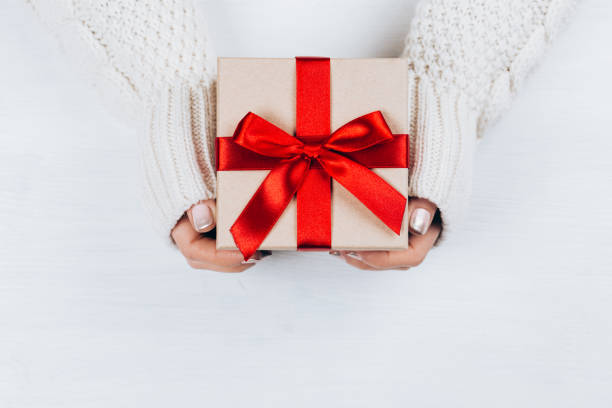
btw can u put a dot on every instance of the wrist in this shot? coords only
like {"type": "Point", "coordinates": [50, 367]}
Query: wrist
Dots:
{"type": "Point", "coordinates": [178, 154]}
{"type": "Point", "coordinates": [442, 142]}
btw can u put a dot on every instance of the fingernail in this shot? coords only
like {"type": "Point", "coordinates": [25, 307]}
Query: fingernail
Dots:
{"type": "Point", "coordinates": [202, 217]}
{"type": "Point", "coordinates": [420, 220]}
{"type": "Point", "coordinates": [334, 253]}
{"type": "Point", "coordinates": [256, 257]}
{"type": "Point", "coordinates": [354, 255]}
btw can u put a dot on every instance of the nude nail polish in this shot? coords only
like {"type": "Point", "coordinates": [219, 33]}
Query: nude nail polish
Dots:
{"type": "Point", "coordinates": [202, 217]}
{"type": "Point", "coordinates": [420, 220]}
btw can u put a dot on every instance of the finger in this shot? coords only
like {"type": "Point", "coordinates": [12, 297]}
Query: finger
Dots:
{"type": "Point", "coordinates": [421, 214]}
{"type": "Point", "coordinates": [202, 215]}
{"type": "Point", "coordinates": [418, 248]}
{"type": "Point", "coordinates": [353, 259]}
{"type": "Point", "coordinates": [216, 268]}
{"type": "Point", "coordinates": [198, 248]}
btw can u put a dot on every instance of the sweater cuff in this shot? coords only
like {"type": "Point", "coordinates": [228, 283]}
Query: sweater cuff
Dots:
{"type": "Point", "coordinates": [178, 153]}
{"type": "Point", "coordinates": [442, 140]}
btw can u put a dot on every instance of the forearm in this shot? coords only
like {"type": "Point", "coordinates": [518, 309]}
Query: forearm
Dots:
{"type": "Point", "coordinates": [150, 60]}
{"type": "Point", "coordinates": [467, 60]}
{"type": "Point", "coordinates": [178, 153]}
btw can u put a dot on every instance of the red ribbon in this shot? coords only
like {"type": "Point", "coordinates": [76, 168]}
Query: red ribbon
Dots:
{"type": "Point", "coordinates": [303, 165]}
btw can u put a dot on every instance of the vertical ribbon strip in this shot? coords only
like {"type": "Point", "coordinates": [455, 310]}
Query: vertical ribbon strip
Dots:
{"type": "Point", "coordinates": [312, 126]}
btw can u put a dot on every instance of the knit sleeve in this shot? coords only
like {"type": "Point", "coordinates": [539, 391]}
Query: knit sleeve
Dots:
{"type": "Point", "coordinates": [467, 58]}
{"type": "Point", "coordinates": [151, 62]}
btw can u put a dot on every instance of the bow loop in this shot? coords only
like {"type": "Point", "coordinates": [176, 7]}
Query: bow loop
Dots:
{"type": "Point", "coordinates": [258, 135]}
{"type": "Point", "coordinates": [262, 137]}
{"type": "Point", "coordinates": [360, 133]}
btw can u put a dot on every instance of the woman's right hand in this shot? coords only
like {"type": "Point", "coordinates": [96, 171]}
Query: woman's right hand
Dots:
{"type": "Point", "coordinates": [194, 235]}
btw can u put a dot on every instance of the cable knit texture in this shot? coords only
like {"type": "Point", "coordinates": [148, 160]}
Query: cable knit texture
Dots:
{"type": "Point", "coordinates": [151, 58]}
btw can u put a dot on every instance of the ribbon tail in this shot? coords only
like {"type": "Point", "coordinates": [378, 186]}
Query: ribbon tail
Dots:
{"type": "Point", "coordinates": [376, 194]}
{"type": "Point", "coordinates": [267, 204]}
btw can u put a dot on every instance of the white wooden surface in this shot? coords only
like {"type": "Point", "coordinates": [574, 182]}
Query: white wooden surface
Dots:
{"type": "Point", "coordinates": [514, 311]}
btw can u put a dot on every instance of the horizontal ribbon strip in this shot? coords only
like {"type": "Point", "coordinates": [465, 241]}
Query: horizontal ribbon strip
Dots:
{"type": "Point", "coordinates": [393, 154]}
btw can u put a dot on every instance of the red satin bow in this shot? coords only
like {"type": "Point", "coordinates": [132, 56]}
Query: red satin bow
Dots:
{"type": "Point", "coordinates": [296, 161]}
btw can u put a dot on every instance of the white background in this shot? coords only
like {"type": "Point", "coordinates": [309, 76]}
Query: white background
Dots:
{"type": "Point", "coordinates": [514, 311]}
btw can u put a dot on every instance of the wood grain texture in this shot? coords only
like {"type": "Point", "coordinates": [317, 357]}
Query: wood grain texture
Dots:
{"type": "Point", "coordinates": [512, 311]}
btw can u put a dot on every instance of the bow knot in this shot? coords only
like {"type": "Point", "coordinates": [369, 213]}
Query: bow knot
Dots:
{"type": "Point", "coordinates": [312, 151]}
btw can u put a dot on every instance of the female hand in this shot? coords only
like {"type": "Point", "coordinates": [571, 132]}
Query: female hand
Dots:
{"type": "Point", "coordinates": [194, 235]}
{"type": "Point", "coordinates": [424, 231]}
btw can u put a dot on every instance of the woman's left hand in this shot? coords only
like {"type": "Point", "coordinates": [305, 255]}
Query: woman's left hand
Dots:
{"type": "Point", "coordinates": [424, 231]}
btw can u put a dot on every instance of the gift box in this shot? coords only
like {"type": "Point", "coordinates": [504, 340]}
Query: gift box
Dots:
{"type": "Point", "coordinates": [312, 153]}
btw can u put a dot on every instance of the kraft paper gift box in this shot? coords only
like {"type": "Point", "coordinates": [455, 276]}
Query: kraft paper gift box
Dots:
{"type": "Point", "coordinates": [267, 87]}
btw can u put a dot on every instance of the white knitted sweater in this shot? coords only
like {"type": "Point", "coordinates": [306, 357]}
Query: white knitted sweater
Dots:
{"type": "Point", "coordinates": [152, 58]}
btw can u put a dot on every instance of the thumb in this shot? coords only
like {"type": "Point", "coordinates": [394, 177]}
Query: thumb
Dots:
{"type": "Point", "coordinates": [421, 213]}
{"type": "Point", "coordinates": [202, 215]}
